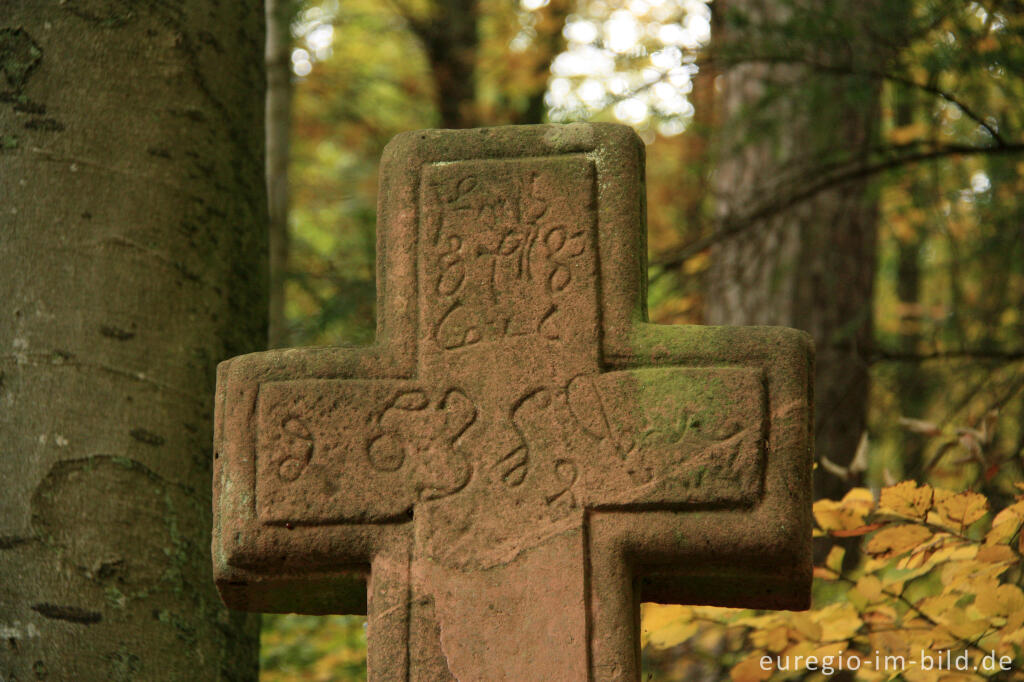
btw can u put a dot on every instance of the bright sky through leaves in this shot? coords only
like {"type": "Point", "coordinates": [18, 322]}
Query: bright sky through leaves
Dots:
{"type": "Point", "coordinates": [635, 59]}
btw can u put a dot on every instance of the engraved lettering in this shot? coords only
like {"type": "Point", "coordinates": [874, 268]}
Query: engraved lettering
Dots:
{"type": "Point", "coordinates": [548, 325]}
{"type": "Point", "coordinates": [296, 449]}
{"type": "Point", "coordinates": [536, 205]}
{"type": "Point", "coordinates": [514, 466]}
{"type": "Point", "coordinates": [567, 472]}
{"type": "Point", "coordinates": [453, 270]}
{"type": "Point", "coordinates": [451, 333]}
{"type": "Point", "coordinates": [386, 453]}
{"type": "Point", "coordinates": [560, 250]}
{"type": "Point", "coordinates": [425, 435]}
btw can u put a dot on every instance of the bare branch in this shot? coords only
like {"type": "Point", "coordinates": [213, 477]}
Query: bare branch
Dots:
{"type": "Point", "coordinates": [884, 355]}
{"type": "Point", "coordinates": [851, 70]}
{"type": "Point", "coordinates": [781, 201]}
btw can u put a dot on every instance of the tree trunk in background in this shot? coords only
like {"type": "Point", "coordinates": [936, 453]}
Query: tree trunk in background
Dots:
{"type": "Point", "coordinates": [910, 390]}
{"type": "Point", "coordinates": [132, 234]}
{"type": "Point", "coordinates": [810, 265]}
{"type": "Point", "coordinates": [450, 40]}
{"type": "Point", "coordinates": [548, 44]}
{"type": "Point", "coordinates": [279, 122]}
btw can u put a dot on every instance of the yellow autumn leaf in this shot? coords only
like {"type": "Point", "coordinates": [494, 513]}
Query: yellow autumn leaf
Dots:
{"type": "Point", "coordinates": [750, 669]}
{"type": "Point", "coordinates": [871, 587]}
{"type": "Point", "coordinates": [773, 639]}
{"type": "Point", "coordinates": [834, 560]}
{"type": "Point", "coordinates": [717, 614]}
{"type": "Point", "coordinates": [990, 640]}
{"type": "Point", "coordinates": [1012, 635]}
{"type": "Point", "coordinates": [1015, 620]}
{"type": "Point", "coordinates": [1003, 600]}
{"type": "Point", "coordinates": [828, 657]}
{"type": "Point", "coordinates": [846, 514]}
{"type": "Point", "coordinates": [996, 553]}
{"type": "Point", "coordinates": [1006, 525]}
{"type": "Point", "coordinates": [939, 637]}
{"type": "Point", "coordinates": [888, 641]}
{"type": "Point", "coordinates": [906, 499]}
{"type": "Point", "coordinates": [802, 624]}
{"type": "Point", "coordinates": [881, 614]}
{"type": "Point", "coordinates": [671, 635]}
{"type": "Point", "coordinates": [838, 621]}
{"type": "Point", "coordinates": [897, 539]}
{"type": "Point", "coordinates": [761, 622]}
{"type": "Point", "coordinates": [954, 552]}
{"type": "Point", "coordinates": [860, 498]}
{"type": "Point", "coordinates": [968, 580]}
{"type": "Point", "coordinates": [915, 674]}
{"type": "Point", "coordinates": [859, 601]}
{"type": "Point", "coordinates": [960, 621]}
{"type": "Point", "coordinates": [959, 510]}
{"type": "Point", "coordinates": [666, 625]}
{"type": "Point", "coordinates": [914, 560]}
{"type": "Point", "coordinates": [801, 648]}
{"type": "Point", "coordinates": [937, 607]}
{"type": "Point", "coordinates": [659, 615]}
{"type": "Point", "coordinates": [968, 629]}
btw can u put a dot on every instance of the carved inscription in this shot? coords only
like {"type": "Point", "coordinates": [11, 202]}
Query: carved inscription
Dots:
{"type": "Point", "coordinates": [296, 448]}
{"type": "Point", "coordinates": [413, 430]}
{"type": "Point", "coordinates": [664, 436]}
{"type": "Point", "coordinates": [353, 437]}
{"type": "Point", "coordinates": [655, 436]}
{"type": "Point", "coordinates": [510, 402]}
{"type": "Point", "coordinates": [504, 251]}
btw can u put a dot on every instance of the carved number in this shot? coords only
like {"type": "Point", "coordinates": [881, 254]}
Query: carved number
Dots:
{"type": "Point", "coordinates": [567, 472]}
{"type": "Point", "coordinates": [297, 446]}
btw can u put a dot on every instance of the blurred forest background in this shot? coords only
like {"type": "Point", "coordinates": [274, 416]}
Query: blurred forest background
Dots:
{"type": "Point", "coordinates": [852, 169]}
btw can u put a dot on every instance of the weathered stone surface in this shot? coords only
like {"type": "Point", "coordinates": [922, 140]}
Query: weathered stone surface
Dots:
{"type": "Point", "coordinates": [521, 457]}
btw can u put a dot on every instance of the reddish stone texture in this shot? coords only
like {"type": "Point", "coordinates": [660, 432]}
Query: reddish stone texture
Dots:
{"type": "Point", "coordinates": [521, 458]}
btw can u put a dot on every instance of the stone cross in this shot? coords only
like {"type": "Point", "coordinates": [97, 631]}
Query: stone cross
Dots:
{"type": "Point", "coordinates": [521, 457]}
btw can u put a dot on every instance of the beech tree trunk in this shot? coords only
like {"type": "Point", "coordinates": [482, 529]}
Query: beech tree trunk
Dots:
{"type": "Point", "coordinates": [132, 238]}
{"type": "Point", "coordinates": [808, 265]}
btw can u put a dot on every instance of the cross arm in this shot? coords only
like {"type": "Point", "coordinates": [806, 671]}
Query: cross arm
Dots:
{"type": "Point", "coordinates": [264, 560]}
{"type": "Point", "coordinates": [757, 554]}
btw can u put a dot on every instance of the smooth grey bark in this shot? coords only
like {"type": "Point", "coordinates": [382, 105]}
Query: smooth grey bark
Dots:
{"type": "Point", "coordinates": [810, 265]}
{"type": "Point", "coordinates": [132, 239]}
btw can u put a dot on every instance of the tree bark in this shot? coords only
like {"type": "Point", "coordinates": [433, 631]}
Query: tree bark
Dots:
{"type": "Point", "coordinates": [132, 234]}
{"type": "Point", "coordinates": [279, 123]}
{"type": "Point", "coordinates": [548, 44]}
{"type": "Point", "coordinates": [810, 266]}
{"type": "Point", "coordinates": [450, 39]}
{"type": "Point", "coordinates": [909, 387]}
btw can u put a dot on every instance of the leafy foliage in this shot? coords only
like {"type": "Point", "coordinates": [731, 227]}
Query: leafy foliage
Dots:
{"type": "Point", "coordinates": [941, 572]}
{"type": "Point", "coordinates": [313, 648]}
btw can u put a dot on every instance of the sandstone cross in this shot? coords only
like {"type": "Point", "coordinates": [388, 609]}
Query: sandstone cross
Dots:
{"type": "Point", "coordinates": [521, 457]}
